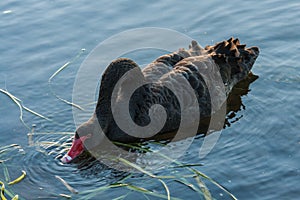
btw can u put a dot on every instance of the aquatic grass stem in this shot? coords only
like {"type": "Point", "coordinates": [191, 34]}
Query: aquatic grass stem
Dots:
{"type": "Point", "coordinates": [214, 182]}
{"type": "Point", "coordinates": [204, 189]}
{"type": "Point", "coordinates": [6, 173]}
{"type": "Point", "coordinates": [8, 148]}
{"type": "Point", "coordinates": [57, 72]}
{"type": "Point", "coordinates": [122, 196]}
{"type": "Point", "coordinates": [65, 196]}
{"type": "Point", "coordinates": [15, 197]}
{"type": "Point", "coordinates": [166, 187]}
{"type": "Point", "coordinates": [94, 192]}
{"type": "Point", "coordinates": [189, 185]}
{"type": "Point", "coordinates": [70, 188]}
{"type": "Point", "coordinates": [2, 191]}
{"type": "Point", "coordinates": [17, 180]}
{"type": "Point", "coordinates": [148, 192]}
{"type": "Point", "coordinates": [18, 102]}
{"type": "Point", "coordinates": [198, 173]}
{"type": "Point", "coordinates": [9, 193]}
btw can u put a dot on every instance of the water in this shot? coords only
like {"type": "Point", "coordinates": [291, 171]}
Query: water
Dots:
{"type": "Point", "coordinates": [257, 157]}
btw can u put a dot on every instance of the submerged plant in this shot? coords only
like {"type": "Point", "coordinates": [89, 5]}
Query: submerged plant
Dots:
{"type": "Point", "coordinates": [7, 191]}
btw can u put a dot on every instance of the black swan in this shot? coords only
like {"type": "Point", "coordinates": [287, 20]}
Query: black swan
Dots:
{"type": "Point", "coordinates": [233, 61]}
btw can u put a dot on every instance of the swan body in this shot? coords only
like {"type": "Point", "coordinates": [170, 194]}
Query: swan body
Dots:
{"type": "Point", "coordinates": [157, 83]}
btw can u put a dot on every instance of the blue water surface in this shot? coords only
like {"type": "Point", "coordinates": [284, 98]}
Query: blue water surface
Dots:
{"type": "Point", "coordinates": [257, 157]}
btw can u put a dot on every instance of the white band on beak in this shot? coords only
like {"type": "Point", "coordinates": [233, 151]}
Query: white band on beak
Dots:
{"type": "Point", "coordinates": [66, 159]}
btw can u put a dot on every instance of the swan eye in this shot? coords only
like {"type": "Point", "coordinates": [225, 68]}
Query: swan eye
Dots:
{"type": "Point", "coordinates": [76, 135]}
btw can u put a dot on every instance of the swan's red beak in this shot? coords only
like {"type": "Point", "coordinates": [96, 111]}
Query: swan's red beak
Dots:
{"type": "Point", "coordinates": [76, 149]}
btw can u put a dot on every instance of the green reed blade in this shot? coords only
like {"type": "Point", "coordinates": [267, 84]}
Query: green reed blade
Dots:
{"type": "Point", "coordinates": [6, 173]}
{"type": "Point", "coordinates": [136, 167]}
{"type": "Point", "coordinates": [188, 184]}
{"type": "Point", "coordinates": [215, 183]}
{"type": "Point", "coordinates": [204, 189]}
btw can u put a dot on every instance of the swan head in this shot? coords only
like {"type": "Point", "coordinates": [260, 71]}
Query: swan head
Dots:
{"type": "Point", "coordinates": [86, 135]}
